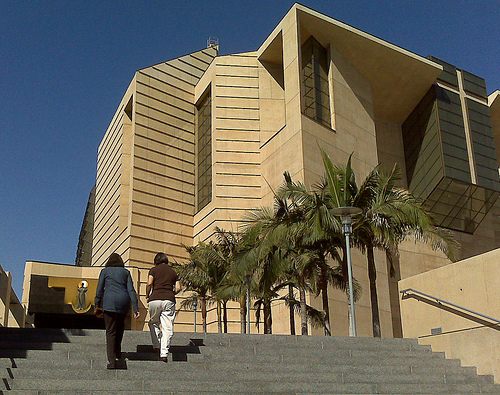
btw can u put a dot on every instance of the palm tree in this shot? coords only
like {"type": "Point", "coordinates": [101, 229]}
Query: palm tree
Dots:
{"type": "Point", "coordinates": [321, 233]}
{"type": "Point", "coordinates": [389, 215]}
{"type": "Point", "coordinates": [203, 275]}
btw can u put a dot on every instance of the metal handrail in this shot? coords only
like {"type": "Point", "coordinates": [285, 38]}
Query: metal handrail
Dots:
{"type": "Point", "coordinates": [442, 301]}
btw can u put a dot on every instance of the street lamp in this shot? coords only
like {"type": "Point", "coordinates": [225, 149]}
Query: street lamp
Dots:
{"type": "Point", "coordinates": [346, 214]}
{"type": "Point", "coordinates": [248, 281]}
{"type": "Point", "coordinates": [195, 306]}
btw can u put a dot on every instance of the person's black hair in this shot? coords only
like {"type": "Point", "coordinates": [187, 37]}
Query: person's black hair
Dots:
{"type": "Point", "coordinates": [114, 260]}
{"type": "Point", "coordinates": [161, 258]}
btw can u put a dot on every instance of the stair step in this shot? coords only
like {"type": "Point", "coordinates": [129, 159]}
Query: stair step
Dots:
{"type": "Point", "coordinates": [48, 361]}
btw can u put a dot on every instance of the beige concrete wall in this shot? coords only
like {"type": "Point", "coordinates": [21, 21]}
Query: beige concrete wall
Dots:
{"type": "Point", "coordinates": [163, 188]}
{"type": "Point", "coordinates": [11, 311]}
{"type": "Point", "coordinates": [472, 283]}
{"type": "Point", "coordinates": [112, 199]}
{"type": "Point", "coordinates": [236, 181]}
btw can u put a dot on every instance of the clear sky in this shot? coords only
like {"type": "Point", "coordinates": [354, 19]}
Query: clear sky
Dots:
{"type": "Point", "coordinates": [64, 66]}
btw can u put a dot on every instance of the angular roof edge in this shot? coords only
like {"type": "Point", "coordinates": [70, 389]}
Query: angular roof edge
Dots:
{"type": "Point", "coordinates": [302, 8]}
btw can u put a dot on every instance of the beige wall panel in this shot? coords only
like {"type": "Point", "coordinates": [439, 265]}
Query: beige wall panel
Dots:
{"type": "Point", "coordinates": [154, 246]}
{"type": "Point", "coordinates": [237, 192]}
{"type": "Point", "coordinates": [156, 99]}
{"type": "Point", "coordinates": [175, 152]}
{"type": "Point", "coordinates": [236, 113]}
{"type": "Point", "coordinates": [110, 172]}
{"type": "Point", "coordinates": [165, 95]}
{"type": "Point", "coordinates": [246, 93]}
{"type": "Point", "coordinates": [244, 158]}
{"type": "Point", "coordinates": [472, 283]}
{"type": "Point", "coordinates": [107, 149]}
{"type": "Point", "coordinates": [237, 81]}
{"type": "Point", "coordinates": [281, 155]}
{"type": "Point", "coordinates": [223, 70]}
{"type": "Point", "coordinates": [157, 78]}
{"type": "Point", "coordinates": [182, 126]}
{"type": "Point", "coordinates": [107, 188]}
{"type": "Point", "coordinates": [236, 66]}
{"type": "Point", "coordinates": [232, 135]}
{"type": "Point", "coordinates": [390, 147]}
{"type": "Point", "coordinates": [238, 146]}
{"type": "Point", "coordinates": [110, 151]}
{"type": "Point", "coordinates": [166, 160]}
{"type": "Point", "coordinates": [205, 55]}
{"type": "Point", "coordinates": [269, 87]}
{"type": "Point", "coordinates": [190, 64]}
{"type": "Point", "coordinates": [238, 102]}
{"type": "Point", "coordinates": [184, 150]}
{"type": "Point", "coordinates": [164, 191]}
{"type": "Point", "coordinates": [166, 171]}
{"type": "Point", "coordinates": [238, 124]}
{"type": "Point", "coordinates": [272, 117]}
{"type": "Point", "coordinates": [108, 219]}
{"type": "Point", "coordinates": [230, 179]}
{"type": "Point", "coordinates": [162, 180]}
{"type": "Point", "coordinates": [164, 202]}
{"type": "Point", "coordinates": [166, 224]}
{"type": "Point", "coordinates": [160, 212]}
{"type": "Point", "coordinates": [117, 243]}
{"type": "Point", "coordinates": [162, 133]}
{"type": "Point", "coordinates": [207, 233]}
{"type": "Point", "coordinates": [110, 222]}
{"type": "Point", "coordinates": [417, 258]}
{"type": "Point", "coordinates": [236, 168]}
{"type": "Point", "coordinates": [158, 235]}
{"type": "Point", "coordinates": [178, 74]}
{"type": "Point", "coordinates": [185, 69]}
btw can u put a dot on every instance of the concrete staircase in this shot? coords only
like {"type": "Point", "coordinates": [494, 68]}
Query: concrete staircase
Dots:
{"type": "Point", "coordinates": [47, 361]}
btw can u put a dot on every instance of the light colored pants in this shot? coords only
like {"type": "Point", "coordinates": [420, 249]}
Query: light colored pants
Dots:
{"type": "Point", "coordinates": [161, 313]}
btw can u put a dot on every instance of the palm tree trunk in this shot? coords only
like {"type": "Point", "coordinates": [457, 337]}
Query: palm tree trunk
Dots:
{"type": "Point", "coordinates": [372, 276]}
{"type": "Point", "coordinates": [324, 297]}
{"type": "Point", "coordinates": [224, 311]}
{"type": "Point", "coordinates": [243, 315]}
{"type": "Point", "coordinates": [292, 313]}
{"type": "Point", "coordinates": [219, 318]}
{"type": "Point", "coordinates": [204, 313]}
{"type": "Point", "coordinates": [303, 311]}
{"type": "Point", "coordinates": [268, 319]}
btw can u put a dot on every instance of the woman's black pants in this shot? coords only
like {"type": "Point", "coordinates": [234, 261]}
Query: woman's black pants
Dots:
{"type": "Point", "coordinates": [115, 325]}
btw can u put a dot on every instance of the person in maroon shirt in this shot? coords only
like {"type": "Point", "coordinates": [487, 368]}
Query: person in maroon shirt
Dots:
{"type": "Point", "coordinates": [163, 285]}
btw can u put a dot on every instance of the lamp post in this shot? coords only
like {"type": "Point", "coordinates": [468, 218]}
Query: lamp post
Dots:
{"type": "Point", "coordinates": [248, 281]}
{"type": "Point", "coordinates": [195, 306]}
{"type": "Point", "coordinates": [346, 214]}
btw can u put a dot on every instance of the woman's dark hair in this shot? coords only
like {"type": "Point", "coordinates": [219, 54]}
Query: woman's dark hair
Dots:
{"type": "Point", "coordinates": [161, 258]}
{"type": "Point", "coordinates": [114, 260]}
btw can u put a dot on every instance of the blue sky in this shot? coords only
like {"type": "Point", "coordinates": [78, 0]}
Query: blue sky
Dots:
{"type": "Point", "coordinates": [64, 66]}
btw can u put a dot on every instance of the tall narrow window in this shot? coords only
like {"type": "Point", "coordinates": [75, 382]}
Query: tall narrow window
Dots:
{"type": "Point", "coordinates": [204, 157]}
{"type": "Point", "coordinates": [315, 80]}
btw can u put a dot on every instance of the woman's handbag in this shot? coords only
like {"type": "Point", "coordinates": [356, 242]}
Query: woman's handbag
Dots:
{"type": "Point", "coordinates": [98, 312]}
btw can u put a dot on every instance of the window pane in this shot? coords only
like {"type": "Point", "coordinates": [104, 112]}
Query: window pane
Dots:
{"type": "Point", "coordinates": [315, 80]}
{"type": "Point", "coordinates": [204, 154]}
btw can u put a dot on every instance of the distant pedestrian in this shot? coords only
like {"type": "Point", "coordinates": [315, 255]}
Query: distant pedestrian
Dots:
{"type": "Point", "coordinates": [161, 289]}
{"type": "Point", "coordinates": [115, 292]}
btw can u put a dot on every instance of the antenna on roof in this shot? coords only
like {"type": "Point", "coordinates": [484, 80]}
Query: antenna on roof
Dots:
{"type": "Point", "coordinates": [213, 42]}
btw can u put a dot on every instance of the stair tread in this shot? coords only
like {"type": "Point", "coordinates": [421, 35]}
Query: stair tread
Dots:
{"type": "Point", "coordinates": [64, 361]}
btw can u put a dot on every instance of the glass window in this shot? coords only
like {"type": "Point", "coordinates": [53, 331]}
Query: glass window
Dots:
{"type": "Point", "coordinates": [204, 150]}
{"type": "Point", "coordinates": [315, 80]}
